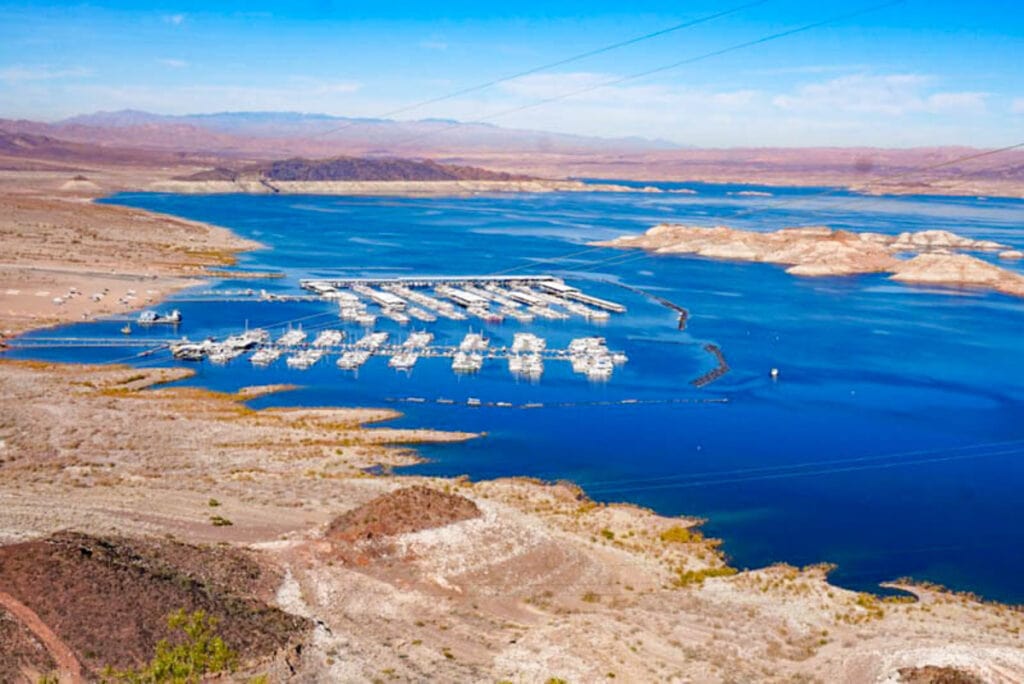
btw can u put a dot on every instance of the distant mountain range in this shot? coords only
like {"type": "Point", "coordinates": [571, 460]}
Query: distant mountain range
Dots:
{"type": "Point", "coordinates": [277, 134]}
{"type": "Point", "coordinates": [318, 146]}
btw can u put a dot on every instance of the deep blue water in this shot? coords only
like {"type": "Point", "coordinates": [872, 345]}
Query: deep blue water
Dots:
{"type": "Point", "coordinates": [891, 444]}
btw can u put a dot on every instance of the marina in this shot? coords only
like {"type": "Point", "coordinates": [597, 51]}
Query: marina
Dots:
{"type": "Point", "coordinates": [759, 317]}
{"type": "Point", "coordinates": [520, 298]}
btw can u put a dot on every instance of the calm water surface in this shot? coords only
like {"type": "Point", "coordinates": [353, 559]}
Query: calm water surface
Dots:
{"type": "Point", "coordinates": [892, 444]}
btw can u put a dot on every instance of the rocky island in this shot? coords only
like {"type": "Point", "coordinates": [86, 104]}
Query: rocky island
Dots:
{"type": "Point", "coordinates": [934, 257]}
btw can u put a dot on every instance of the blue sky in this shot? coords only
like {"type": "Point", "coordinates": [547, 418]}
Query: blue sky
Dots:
{"type": "Point", "coordinates": [918, 73]}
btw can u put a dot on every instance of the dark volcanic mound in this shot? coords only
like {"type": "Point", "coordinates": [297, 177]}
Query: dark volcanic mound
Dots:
{"type": "Point", "coordinates": [374, 169]}
{"type": "Point", "coordinates": [933, 674]}
{"type": "Point", "coordinates": [402, 511]}
{"type": "Point", "coordinates": [218, 173]}
{"type": "Point", "coordinates": [108, 598]}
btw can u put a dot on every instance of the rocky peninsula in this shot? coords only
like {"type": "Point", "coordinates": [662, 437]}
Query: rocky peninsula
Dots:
{"type": "Point", "coordinates": [931, 257]}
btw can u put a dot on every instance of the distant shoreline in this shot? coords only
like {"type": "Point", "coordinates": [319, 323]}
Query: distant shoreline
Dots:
{"type": "Point", "coordinates": [384, 188]}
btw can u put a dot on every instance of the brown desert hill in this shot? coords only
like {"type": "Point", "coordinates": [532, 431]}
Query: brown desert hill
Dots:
{"type": "Point", "coordinates": [353, 169]}
{"type": "Point", "coordinates": [403, 511]}
{"type": "Point", "coordinates": [107, 599]}
{"type": "Point", "coordinates": [44, 148]}
{"type": "Point", "coordinates": [25, 656]}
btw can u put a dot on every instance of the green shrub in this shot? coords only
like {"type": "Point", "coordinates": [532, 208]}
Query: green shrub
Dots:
{"type": "Point", "coordinates": [199, 652]}
{"type": "Point", "coordinates": [686, 578]}
{"type": "Point", "coordinates": [677, 534]}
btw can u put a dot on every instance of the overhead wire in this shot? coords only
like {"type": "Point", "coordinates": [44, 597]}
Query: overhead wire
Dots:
{"type": "Point", "coordinates": [552, 65]}
{"type": "Point", "coordinates": [661, 69]}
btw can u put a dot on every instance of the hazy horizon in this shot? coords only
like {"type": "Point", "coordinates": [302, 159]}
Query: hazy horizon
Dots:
{"type": "Point", "coordinates": [903, 75]}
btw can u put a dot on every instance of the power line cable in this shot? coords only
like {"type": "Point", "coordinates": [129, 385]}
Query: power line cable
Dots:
{"type": "Point", "coordinates": [619, 259]}
{"type": "Point", "coordinates": [660, 69]}
{"type": "Point", "coordinates": [551, 65]}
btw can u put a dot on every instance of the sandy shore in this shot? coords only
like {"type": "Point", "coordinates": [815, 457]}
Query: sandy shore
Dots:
{"type": "Point", "coordinates": [67, 259]}
{"type": "Point", "coordinates": [542, 584]}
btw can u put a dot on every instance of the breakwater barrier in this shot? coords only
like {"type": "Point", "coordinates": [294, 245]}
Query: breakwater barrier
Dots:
{"type": "Point", "coordinates": [715, 373]}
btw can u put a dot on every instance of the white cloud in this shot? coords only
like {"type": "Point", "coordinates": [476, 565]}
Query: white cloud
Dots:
{"type": "Point", "coordinates": [1017, 106]}
{"type": "Point", "coordinates": [894, 94]}
{"type": "Point", "coordinates": [173, 19]}
{"type": "Point", "coordinates": [18, 73]}
{"type": "Point", "coordinates": [173, 63]}
{"type": "Point", "coordinates": [590, 88]}
{"type": "Point", "coordinates": [433, 44]}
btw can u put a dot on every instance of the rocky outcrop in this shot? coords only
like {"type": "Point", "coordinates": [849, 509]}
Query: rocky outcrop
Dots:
{"type": "Point", "coordinates": [960, 270]}
{"type": "Point", "coordinates": [822, 251]}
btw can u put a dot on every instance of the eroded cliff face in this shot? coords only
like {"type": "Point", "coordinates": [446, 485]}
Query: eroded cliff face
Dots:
{"type": "Point", "coordinates": [936, 256]}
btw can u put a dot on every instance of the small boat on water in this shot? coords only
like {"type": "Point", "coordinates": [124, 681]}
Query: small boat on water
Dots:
{"type": "Point", "coordinates": [291, 338]}
{"type": "Point", "coordinates": [353, 360]}
{"type": "Point", "coordinates": [329, 338]}
{"type": "Point", "coordinates": [467, 363]}
{"type": "Point", "coordinates": [403, 360]}
{"type": "Point", "coordinates": [265, 356]}
{"type": "Point", "coordinates": [307, 358]}
{"type": "Point", "coordinates": [418, 340]}
{"type": "Point", "coordinates": [372, 340]}
{"type": "Point", "coordinates": [150, 317]}
{"type": "Point", "coordinates": [127, 329]}
{"type": "Point", "coordinates": [473, 342]}
{"type": "Point", "coordinates": [527, 342]}
{"type": "Point", "coordinates": [192, 351]}
{"type": "Point", "coordinates": [600, 369]}
{"type": "Point", "coordinates": [526, 365]}
{"type": "Point", "coordinates": [222, 354]}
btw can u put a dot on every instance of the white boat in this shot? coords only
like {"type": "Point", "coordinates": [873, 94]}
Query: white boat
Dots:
{"type": "Point", "coordinates": [527, 342]}
{"type": "Point", "coordinates": [367, 320]}
{"type": "Point", "coordinates": [291, 338]}
{"type": "Point", "coordinates": [351, 312]}
{"type": "Point", "coordinates": [151, 317]}
{"type": "Point", "coordinates": [395, 315]}
{"type": "Point", "coordinates": [526, 365]}
{"type": "Point", "coordinates": [517, 314]}
{"type": "Point", "coordinates": [265, 356]}
{"type": "Point", "coordinates": [307, 358]}
{"type": "Point", "coordinates": [421, 314]}
{"type": "Point", "coordinates": [403, 360]}
{"type": "Point", "coordinates": [473, 342]}
{"type": "Point", "coordinates": [418, 340]}
{"type": "Point", "coordinates": [467, 363]}
{"type": "Point", "coordinates": [372, 340]}
{"type": "Point", "coordinates": [329, 338]}
{"type": "Point", "coordinates": [581, 362]}
{"type": "Point", "coordinates": [586, 344]}
{"type": "Point", "coordinates": [351, 360]}
{"type": "Point", "coordinates": [600, 369]}
{"type": "Point", "coordinates": [247, 339]}
{"type": "Point", "coordinates": [221, 354]}
{"type": "Point", "coordinates": [191, 351]}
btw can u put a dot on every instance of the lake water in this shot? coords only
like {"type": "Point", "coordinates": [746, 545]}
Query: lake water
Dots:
{"type": "Point", "coordinates": [891, 444]}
